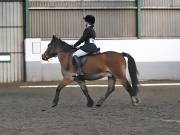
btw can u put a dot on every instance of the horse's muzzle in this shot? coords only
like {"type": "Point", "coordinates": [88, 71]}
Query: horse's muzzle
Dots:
{"type": "Point", "coordinates": [44, 57]}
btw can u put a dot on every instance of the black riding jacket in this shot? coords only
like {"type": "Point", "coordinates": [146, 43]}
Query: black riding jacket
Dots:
{"type": "Point", "coordinates": [88, 34]}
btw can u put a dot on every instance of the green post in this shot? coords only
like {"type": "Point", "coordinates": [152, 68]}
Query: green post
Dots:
{"type": "Point", "coordinates": [26, 18]}
{"type": "Point", "coordinates": [138, 18]}
{"type": "Point", "coordinates": [25, 29]}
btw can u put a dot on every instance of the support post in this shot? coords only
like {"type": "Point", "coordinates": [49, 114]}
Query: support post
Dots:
{"type": "Point", "coordinates": [25, 31]}
{"type": "Point", "coordinates": [138, 19]}
{"type": "Point", "coordinates": [26, 18]}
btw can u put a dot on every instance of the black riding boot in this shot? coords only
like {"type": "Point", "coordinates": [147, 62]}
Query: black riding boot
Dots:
{"type": "Point", "coordinates": [78, 65]}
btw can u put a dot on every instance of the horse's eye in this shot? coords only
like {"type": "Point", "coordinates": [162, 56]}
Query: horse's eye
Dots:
{"type": "Point", "coordinates": [49, 46]}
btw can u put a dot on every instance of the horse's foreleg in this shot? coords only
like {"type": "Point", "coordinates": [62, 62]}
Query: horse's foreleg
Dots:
{"type": "Point", "coordinates": [82, 84]}
{"type": "Point", "coordinates": [111, 88]}
{"type": "Point", "coordinates": [62, 84]}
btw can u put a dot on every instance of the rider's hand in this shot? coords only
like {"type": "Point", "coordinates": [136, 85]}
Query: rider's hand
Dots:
{"type": "Point", "coordinates": [74, 46]}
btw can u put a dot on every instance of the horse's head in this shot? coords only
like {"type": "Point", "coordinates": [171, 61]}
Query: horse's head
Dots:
{"type": "Point", "coordinates": [54, 47]}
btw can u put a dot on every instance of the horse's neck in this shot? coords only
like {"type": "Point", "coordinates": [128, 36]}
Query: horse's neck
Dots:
{"type": "Point", "coordinates": [65, 58]}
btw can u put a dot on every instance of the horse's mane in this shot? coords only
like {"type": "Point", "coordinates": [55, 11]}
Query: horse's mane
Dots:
{"type": "Point", "coordinates": [66, 47]}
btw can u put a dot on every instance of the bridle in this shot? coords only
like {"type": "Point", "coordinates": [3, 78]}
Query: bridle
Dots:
{"type": "Point", "coordinates": [60, 51]}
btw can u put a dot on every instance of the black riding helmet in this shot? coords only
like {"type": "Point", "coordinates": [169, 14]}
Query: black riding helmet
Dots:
{"type": "Point", "coordinates": [90, 19]}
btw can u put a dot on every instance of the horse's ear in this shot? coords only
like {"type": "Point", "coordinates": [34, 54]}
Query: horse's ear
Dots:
{"type": "Point", "coordinates": [54, 36]}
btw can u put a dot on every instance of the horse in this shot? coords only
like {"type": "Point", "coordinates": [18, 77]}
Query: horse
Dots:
{"type": "Point", "coordinates": [107, 64]}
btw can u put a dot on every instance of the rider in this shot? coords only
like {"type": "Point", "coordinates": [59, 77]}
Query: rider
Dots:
{"type": "Point", "coordinates": [89, 47]}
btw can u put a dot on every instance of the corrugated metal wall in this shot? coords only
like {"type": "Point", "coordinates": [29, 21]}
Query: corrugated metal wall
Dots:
{"type": "Point", "coordinates": [11, 40]}
{"type": "Point", "coordinates": [161, 18]}
{"type": "Point", "coordinates": [116, 18]}
{"type": "Point", "coordinates": [161, 23]}
{"type": "Point", "coordinates": [68, 24]}
{"type": "Point", "coordinates": [64, 18]}
{"type": "Point", "coordinates": [161, 3]}
{"type": "Point", "coordinates": [45, 23]}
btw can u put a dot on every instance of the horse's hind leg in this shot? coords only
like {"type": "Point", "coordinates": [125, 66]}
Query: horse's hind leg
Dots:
{"type": "Point", "coordinates": [111, 88]}
{"type": "Point", "coordinates": [62, 84]}
{"type": "Point", "coordinates": [82, 84]}
{"type": "Point", "coordinates": [131, 92]}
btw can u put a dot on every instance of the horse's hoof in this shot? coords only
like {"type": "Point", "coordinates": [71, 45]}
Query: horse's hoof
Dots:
{"type": "Point", "coordinates": [135, 101]}
{"type": "Point", "coordinates": [90, 104]}
{"type": "Point", "coordinates": [135, 104]}
{"type": "Point", "coordinates": [98, 105]}
{"type": "Point", "coordinates": [100, 102]}
{"type": "Point", "coordinates": [54, 105]}
{"type": "Point", "coordinates": [138, 100]}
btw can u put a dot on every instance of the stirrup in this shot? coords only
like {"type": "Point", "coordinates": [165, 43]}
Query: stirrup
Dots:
{"type": "Point", "coordinates": [78, 74]}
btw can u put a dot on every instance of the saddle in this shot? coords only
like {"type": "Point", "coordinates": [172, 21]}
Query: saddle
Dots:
{"type": "Point", "coordinates": [83, 59]}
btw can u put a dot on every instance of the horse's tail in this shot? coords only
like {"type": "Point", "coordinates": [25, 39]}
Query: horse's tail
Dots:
{"type": "Point", "coordinates": [132, 71]}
